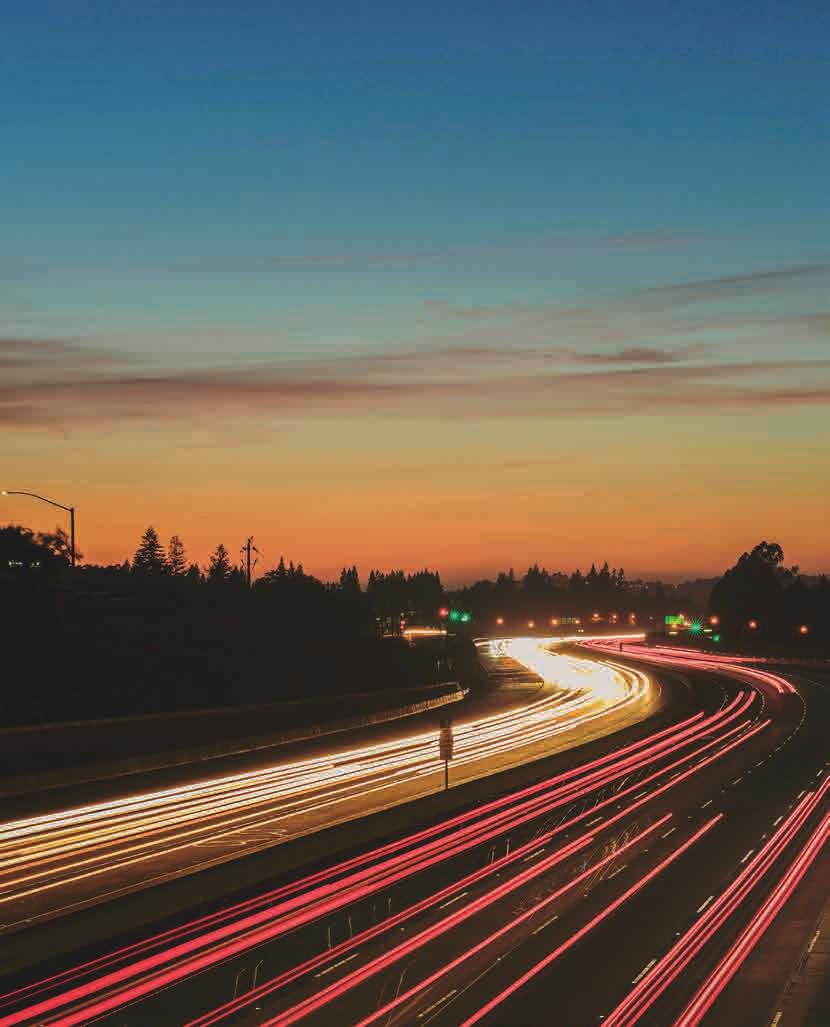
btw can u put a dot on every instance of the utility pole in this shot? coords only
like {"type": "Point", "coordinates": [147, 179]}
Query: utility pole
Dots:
{"type": "Point", "coordinates": [246, 551]}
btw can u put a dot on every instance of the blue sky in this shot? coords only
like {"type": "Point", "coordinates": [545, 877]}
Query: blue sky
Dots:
{"type": "Point", "coordinates": [297, 192]}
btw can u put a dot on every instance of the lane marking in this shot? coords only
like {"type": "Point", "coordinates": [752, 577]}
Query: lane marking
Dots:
{"type": "Point", "coordinates": [644, 971]}
{"type": "Point", "coordinates": [334, 966]}
{"type": "Point", "coordinates": [703, 905]}
{"type": "Point", "coordinates": [455, 898]}
{"type": "Point", "coordinates": [435, 1005]}
{"type": "Point", "coordinates": [547, 923]}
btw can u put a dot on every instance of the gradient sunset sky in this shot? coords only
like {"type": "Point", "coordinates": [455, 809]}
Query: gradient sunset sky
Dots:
{"type": "Point", "coordinates": [460, 284]}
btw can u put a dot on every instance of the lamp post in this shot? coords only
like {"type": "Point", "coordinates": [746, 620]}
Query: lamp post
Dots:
{"type": "Point", "coordinates": [69, 509]}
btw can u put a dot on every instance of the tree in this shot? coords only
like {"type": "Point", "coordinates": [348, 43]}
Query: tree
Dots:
{"type": "Point", "coordinates": [176, 559]}
{"type": "Point", "coordinates": [350, 581]}
{"type": "Point", "coordinates": [754, 589]}
{"type": "Point", "coordinates": [149, 558]}
{"type": "Point", "coordinates": [58, 544]}
{"type": "Point", "coordinates": [219, 568]}
{"type": "Point", "coordinates": [23, 552]}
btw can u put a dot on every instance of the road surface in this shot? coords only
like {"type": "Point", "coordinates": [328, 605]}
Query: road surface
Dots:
{"type": "Point", "coordinates": [56, 863]}
{"type": "Point", "coordinates": [622, 890]}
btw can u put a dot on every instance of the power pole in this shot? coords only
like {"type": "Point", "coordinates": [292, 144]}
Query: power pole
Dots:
{"type": "Point", "coordinates": [246, 551]}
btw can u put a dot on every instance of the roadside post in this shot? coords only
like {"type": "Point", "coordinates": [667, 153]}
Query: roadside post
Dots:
{"type": "Point", "coordinates": [445, 747]}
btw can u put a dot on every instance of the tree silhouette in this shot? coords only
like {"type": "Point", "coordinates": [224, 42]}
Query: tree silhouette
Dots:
{"type": "Point", "coordinates": [58, 544]}
{"type": "Point", "coordinates": [149, 558]}
{"type": "Point", "coordinates": [176, 559]}
{"type": "Point", "coordinates": [219, 567]}
{"type": "Point", "coordinates": [350, 581]}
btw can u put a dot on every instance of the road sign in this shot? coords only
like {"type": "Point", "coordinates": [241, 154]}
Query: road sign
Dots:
{"type": "Point", "coordinates": [445, 739]}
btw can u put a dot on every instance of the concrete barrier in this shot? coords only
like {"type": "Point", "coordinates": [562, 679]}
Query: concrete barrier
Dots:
{"type": "Point", "coordinates": [85, 773]}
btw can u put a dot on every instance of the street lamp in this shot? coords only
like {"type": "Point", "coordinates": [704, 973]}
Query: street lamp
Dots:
{"type": "Point", "coordinates": [804, 630]}
{"type": "Point", "coordinates": [69, 509]}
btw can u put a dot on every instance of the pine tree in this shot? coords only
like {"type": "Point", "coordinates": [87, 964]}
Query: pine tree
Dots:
{"type": "Point", "coordinates": [149, 557]}
{"type": "Point", "coordinates": [176, 559]}
{"type": "Point", "coordinates": [219, 568]}
{"type": "Point", "coordinates": [350, 581]}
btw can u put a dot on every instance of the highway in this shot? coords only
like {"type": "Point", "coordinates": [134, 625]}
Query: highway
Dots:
{"type": "Point", "coordinates": [627, 889]}
{"type": "Point", "coordinates": [59, 862]}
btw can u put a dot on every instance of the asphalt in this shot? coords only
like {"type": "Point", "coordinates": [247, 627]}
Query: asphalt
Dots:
{"type": "Point", "coordinates": [752, 786]}
{"type": "Point", "coordinates": [78, 920]}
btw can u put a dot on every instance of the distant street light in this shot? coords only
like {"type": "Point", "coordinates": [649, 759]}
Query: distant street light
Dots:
{"type": "Point", "coordinates": [531, 624]}
{"type": "Point", "coordinates": [804, 630]}
{"type": "Point", "coordinates": [499, 621]}
{"type": "Point", "coordinates": [69, 509]}
{"type": "Point", "coordinates": [752, 625]}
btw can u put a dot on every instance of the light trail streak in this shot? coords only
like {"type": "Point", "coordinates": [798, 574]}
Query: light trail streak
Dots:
{"type": "Point", "coordinates": [505, 813]}
{"type": "Point", "coordinates": [64, 849]}
{"type": "Point", "coordinates": [496, 867]}
{"type": "Point", "coordinates": [712, 919]}
{"type": "Point", "coordinates": [338, 989]}
{"type": "Point", "coordinates": [612, 907]}
{"type": "Point", "coordinates": [688, 728]}
{"type": "Point", "coordinates": [731, 665]}
{"type": "Point", "coordinates": [708, 994]}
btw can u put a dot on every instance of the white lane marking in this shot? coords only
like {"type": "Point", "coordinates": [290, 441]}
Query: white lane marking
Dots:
{"type": "Point", "coordinates": [707, 803]}
{"type": "Point", "coordinates": [534, 855]}
{"type": "Point", "coordinates": [747, 855]}
{"type": "Point", "coordinates": [775, 823]}
{"type": "Point", "coordinates": [435, 1005]}
{"type": "Point", "coordinates": [547, 923]}
{"type": "Point", "coordinates": [334, 966]}
{"type": "Point", "coordinates": [703, 905]}
{"type": "Point", "coordinates": [619, 870]}
{"type": "Point", "coordinates": [671, 830]}
{"type": "Point", "coordinates": [455, 898]}
{"type": "Point", "coordinates": [813, 941]}
{"type": "Point", "coordinates": [644, 971]}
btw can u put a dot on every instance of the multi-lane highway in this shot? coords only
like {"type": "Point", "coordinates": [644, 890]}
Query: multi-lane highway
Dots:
{"type": "Point", "coordinates": [55, 863]}
{"type": "Point", "coordinates": [627, 889]}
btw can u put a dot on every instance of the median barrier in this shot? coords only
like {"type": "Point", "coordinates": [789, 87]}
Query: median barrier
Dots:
{"type": "Point", "coordinates": [434, 696]}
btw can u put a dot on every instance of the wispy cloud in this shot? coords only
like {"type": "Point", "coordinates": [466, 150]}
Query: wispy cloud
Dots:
{"type": "Point", "coordinates": [705, 290]}
{"type": "Point", "coordinates": [626, 382]}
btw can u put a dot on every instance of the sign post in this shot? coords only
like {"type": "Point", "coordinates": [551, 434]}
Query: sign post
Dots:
{"type": "Point", "coordinates": [445, 747]}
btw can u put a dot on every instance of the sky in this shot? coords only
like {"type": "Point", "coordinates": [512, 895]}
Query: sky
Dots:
{"type": "Point", "coordinates": [464, 285]}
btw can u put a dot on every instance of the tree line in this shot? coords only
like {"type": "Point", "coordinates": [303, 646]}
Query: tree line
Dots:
{"type": "Point", "coordinates": [758, 588]}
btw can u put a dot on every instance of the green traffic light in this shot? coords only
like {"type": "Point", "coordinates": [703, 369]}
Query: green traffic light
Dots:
{"type": "Point", "coordinates": [716, 638]}
{"type": "Point", "coordinates": [695, 627]}
{"type": "Point", "coordinates": [455, 615]}
{"type": "Point", "coordinates": [466, 618]}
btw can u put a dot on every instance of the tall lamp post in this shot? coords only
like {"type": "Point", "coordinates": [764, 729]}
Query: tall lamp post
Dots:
{"type": "Point", "coordinates": [69, 509]}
